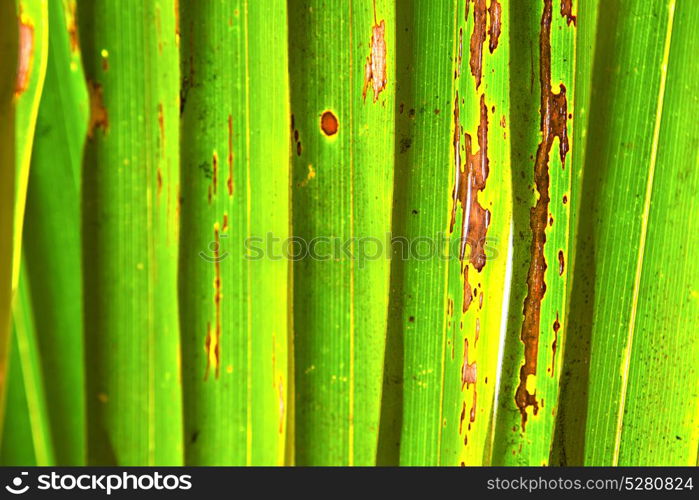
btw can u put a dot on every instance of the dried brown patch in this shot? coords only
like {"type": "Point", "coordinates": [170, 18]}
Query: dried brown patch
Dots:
{"type": "Point", "coordinates": [469, 371]}
{"type": "Point", "coordinates": [375, 68]}
{"type": "Point", "coordinates": [471, 178]}
{"type": "Point", "coordinates": [567, 12]}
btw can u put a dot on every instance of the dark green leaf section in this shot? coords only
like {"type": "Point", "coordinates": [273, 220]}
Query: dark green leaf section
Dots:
{"type": "Point", "coordinates": [17, 441]}
{"type": "Point", "coordinates": [422, 204]}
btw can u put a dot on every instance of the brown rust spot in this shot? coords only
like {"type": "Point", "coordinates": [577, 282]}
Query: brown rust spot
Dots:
{"type": "Point", "coordinates": [229, 182]}
{"type": "Point", "coordinates": [565, 199]}
{"type": "Point", "coordinates": [299, 150]}
{"type": "Point", "coordinates": [25, 56]}
{"type": "Point", "coordinates": [224, 226]}
{"type": "Point", "coordinates": [495, 12]}
{"type": "Point", "coordinates": [159, 179]}
{"type": "Point", "coordinates": [567, 12]}
{"type": "Point", "coordinates": [328, 123]}
{"type": "Point", "coordinates": [375, 68]}
{"type": "Point", "coordinates": [553, 125]}
{"type": "Point", "coordinates": [98, 113]}
{"type": "Point", "coordinates": [561, 263]}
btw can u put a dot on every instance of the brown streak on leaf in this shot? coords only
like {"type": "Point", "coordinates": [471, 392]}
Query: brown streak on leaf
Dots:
{"type": "Point", "coordinates": [375, 69]}
{"type": "Point", "coordinates": [554, 346]}
{"type": "Point", "coordinates": [72, 27]}
{"type": "Point", "coordinates": [207, 349]}
{"type": "Point", "coordinates": [553, 124]}
{"type": "Point", "coordinates": [477, 38]}
{"type": "Point", "coordinates": [159, 179]}
{"type": "Point", "coordinates": [25, 57]}
{"type": "Point", "coordinates": [460, 56]}
{"type": "Point", "coordinates": [229, 183]}
{"type": "Point", "coordinates": [561, 263]}
{"type": "Point", "coordinates": [161, 127]}
{"type": "Point", "coordinates": [214, 173]}
{"type": "Point", "coordinates": [495, 12]}
{"type": "Point", "coordinates": [98, 113]}
{"type": "Point", "coordinates": [218, 296]}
